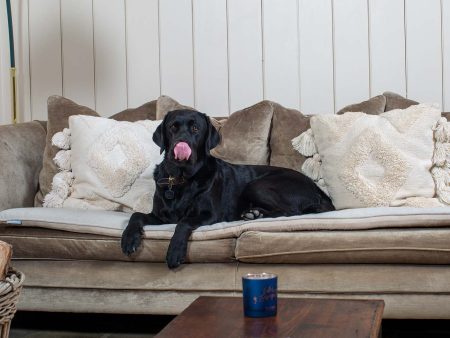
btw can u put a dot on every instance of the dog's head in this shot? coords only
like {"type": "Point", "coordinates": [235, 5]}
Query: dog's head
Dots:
{"type": "Point", "coordinates": [186, 136]}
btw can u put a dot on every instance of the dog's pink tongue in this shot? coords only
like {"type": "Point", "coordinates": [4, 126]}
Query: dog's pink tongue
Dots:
{"type": "Point", "coordinates": [182, 151]}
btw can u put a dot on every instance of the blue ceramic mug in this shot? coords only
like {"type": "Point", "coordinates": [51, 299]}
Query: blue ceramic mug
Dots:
{"type": "Point", "coordinates": [260, 294]}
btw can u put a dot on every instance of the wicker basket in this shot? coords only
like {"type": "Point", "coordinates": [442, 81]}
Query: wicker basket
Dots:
{"type": "Point", "coordinates": [9, 294]}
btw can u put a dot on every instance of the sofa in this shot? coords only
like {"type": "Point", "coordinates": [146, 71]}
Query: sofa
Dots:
{"type": "Point", "coordinates": [73, 262]}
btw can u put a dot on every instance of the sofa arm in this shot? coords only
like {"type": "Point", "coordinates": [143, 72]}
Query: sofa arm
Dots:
{"type": "Point", "coordinates": [21, 149]}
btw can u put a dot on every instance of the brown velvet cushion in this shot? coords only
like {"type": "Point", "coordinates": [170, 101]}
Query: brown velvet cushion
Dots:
{"type": "Point", "coordinates": [38, 243]}
{"type": "Point", "coordinates": [373, 106]}
{"type": "Point", "coordinates": [395, 101]}
{"type": "Point", "coordinates": [59, 111]}
{"type": "Point", "coordinates": [245, 135]}
{"type": "Point", "coordinates": [286, 124]}
{"type": "Point", "coordinates": [165, 104]}
{"type": "Point", "coordinates": [383, 246]}
{"type": "Point", "coordinates": [21, 149]}
{"type": "Point", "coordinates": [145, 112]}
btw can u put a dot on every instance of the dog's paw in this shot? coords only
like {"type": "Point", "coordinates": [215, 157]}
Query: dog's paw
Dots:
{"type": "Point", "coordinates": [251, 214]}
{"type": "Point", "coordinates": [176, 255]}
{"type": "Point", "coordinates": [131, 240]}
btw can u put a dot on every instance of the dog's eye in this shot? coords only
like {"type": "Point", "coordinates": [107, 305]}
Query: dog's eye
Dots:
{"type": "Point", "coordinates": [173, 128]}
{"type": "Point", "coordinates": [194, 129]}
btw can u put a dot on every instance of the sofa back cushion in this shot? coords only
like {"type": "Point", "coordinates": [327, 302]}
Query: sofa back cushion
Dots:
{"type": "Point", "coordinates": [286, 124]}
{"type": "Point", "coordinates": [245, 136]}
{"type": "Point", "coordinates": [374, 106]}
{"type": "Point", "coordinates": [396, 101]}
{"type": "Point", "coordinates": [21, 150]}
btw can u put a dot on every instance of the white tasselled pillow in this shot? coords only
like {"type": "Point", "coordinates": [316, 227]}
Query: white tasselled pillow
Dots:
{"type": "Point", "coordinates": [105, 164]}
{"type": "Point", "coordinates": [366, 160]}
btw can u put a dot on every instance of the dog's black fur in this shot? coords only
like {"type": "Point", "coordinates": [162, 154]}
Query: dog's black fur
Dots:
{"type": "Point", "coordinates": [208, 190]}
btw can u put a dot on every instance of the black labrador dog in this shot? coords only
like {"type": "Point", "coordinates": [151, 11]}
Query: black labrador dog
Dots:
{"type": "Point", "coordinates": [193, 188]}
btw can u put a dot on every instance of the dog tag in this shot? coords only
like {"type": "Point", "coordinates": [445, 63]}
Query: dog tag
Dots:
{"type": "Point", "coordinates": [169, 194]}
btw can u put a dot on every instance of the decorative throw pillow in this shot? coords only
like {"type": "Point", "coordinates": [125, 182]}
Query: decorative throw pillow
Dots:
{"type": "Point", "coordinates": [244, 135]}
{"type": "Point", "coordinates": [165, 104]}
{"type": "Point", "coordinates": [286, 124]}
{"type": "Point", "coordinates": [396, 101]}
{"type": "Point", "coordinates": [105, 164]}
{"type": "Point", "coordinates": [59, 111]}
{"type": "Point", "coordinates": [374, 106]}
{"type": "Point", "coordinates": [374, 160]}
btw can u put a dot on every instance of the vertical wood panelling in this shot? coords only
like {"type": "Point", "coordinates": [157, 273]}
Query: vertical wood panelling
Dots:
{"type": "Point", "coordinates": [281, 52]}
{"type": "Point", "coordinates": [5, 94]}
{"type": "Point", "coordinates": [110, 56]}
{"type": "Point", "coordinates": [78, 51]}
{"type": "Point", "coordinates": [224, 55]}
{"type": "Point", "coordinates": [142, 54]}
{"type": "Point", "coordinates": [316, 56]}
{"type": "Point", "coordinates": [45, 54]}
{"type": "Point", "coordinates": [176, 59]}
{"type": "Point", "coordinates": [245, 53]}
{"type": "Point", "coordinates": [210, 56]}
{"type": "Point", "coordinates": [446, 53]}
{"type": "Point", "coordinates": [351, 52]}
{"type": "Point", "coordinates": [423, 50]}
{"type": "Point", "coordinates": [22, 51]}
{"type": "Point", "coordinates": [387, 46]}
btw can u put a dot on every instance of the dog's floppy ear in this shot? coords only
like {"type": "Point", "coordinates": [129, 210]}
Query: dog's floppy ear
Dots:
{"type": "Point", "coordinates": [159, 136]}
{"type": "Point", "coordinates": [212, 136]}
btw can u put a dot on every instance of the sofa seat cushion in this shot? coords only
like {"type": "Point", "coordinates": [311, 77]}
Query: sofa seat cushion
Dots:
{"type": "Point", "coordinates": [384, 246]}
{"type": "Point", "coordinates": [50, 244]}
{"type": "Point", "coordinates": [370, 235]}
{"type": "Point", "coordinates": [71, 234]}
{"type": "Point", "coordinates": [111, 223]}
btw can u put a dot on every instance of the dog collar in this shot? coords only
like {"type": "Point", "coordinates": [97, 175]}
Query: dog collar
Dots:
{"type": "Point", "coordinates": [170, 182]}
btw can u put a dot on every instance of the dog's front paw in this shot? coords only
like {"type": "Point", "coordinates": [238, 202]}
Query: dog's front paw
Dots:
{"type": "Point", "coordinates": [176, 254]}
{"type": "Point", "coordinates": [131, 239]}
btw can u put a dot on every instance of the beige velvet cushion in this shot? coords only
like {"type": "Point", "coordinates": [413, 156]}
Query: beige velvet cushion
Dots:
{"type": "Point", "coordinates": [110, 223]}
{"type": "Point", "coordinates": [245, 135]}
{"type": "Point", "coordinates": [286, 124]}
{"type": "Point", "coordinates": [378, 235]}
{"type": "Point", "coordinates": [59, 111]}
{"type": "Point", "coordinates": [112, 163]}
{"type": "Point", "coordinates": [396, 101]}
{"type": "Point", "coordinates": [374, 106]}
{"type": "Point", "coordinates": [21, 150]}
{"type": "Point", "coordinates": [384, 246]}
{"type": "Point", "coordinates": [39, 243]}
{"type": "Point", "coordinates": [166, 104]}
{"type": "Point", "coordinates": [377, 160]}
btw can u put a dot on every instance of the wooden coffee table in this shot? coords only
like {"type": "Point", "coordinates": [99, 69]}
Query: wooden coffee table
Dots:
{"type": "Point", "coordinates": [223, 317]}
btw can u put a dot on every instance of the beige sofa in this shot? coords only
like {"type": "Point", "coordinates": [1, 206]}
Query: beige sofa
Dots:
{"type": "Point", "coordinates": [73, 262]}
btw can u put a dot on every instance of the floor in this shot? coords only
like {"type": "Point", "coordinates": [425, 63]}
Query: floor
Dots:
{"type": "Point", "coordinates": [61, 325]}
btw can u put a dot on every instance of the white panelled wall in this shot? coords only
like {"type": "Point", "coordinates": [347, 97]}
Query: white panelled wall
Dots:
{"type": "Point", "coordinates": [223, 55]}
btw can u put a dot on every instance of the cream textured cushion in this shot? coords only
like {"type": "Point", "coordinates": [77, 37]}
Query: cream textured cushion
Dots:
{"type": "Point", "coordinates": [375, 160]}
{"type": "Point", "coordinates": [109, 165]}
